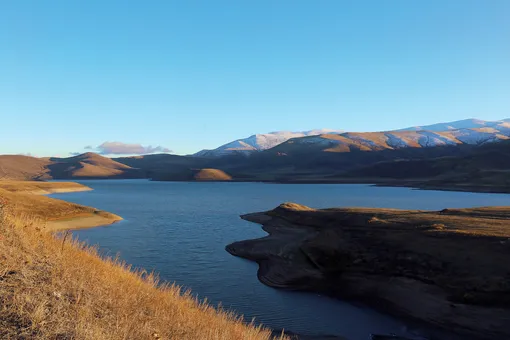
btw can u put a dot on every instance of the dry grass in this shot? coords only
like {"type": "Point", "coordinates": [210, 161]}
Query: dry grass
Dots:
{"type": "Point", "coordinates": [22, 167]}
{"type": "Point", "coordinates": [60, 289]}
{"type": "Point", "coordinates": [44, 208]}
{"type": "Point", "coordinates": [212, 175]}
{"type": "Point", "coordinates": [41, 187]}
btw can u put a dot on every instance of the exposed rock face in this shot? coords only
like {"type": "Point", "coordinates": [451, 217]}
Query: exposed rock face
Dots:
{"type": "Point", "coordinates": [447, 268]}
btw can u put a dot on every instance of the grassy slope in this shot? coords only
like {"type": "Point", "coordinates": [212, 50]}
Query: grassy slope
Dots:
{"type": "Point", "coordinates": [212, 175]}
{"type": "Point", "coordinates": [41, 187]}
{"type": "Point", "coordinates": [56, 214]}
{"type": "Point", "coordinates": [59, 289]}
{"type": "Point", "coordinates": [52, 289]}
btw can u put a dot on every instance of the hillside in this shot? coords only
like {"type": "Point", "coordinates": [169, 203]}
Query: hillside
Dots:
{"type": "Point", "coordinates": [56, 214]}
{"type": "Point", "coordinates": [17, 167]}
{"type": "Point", "coordinates": [53, 287]}
{"type": "Point", "coordinates": [85, 166]}
{"type": "Point", "coordinates": [191, 175]}
{"type": "Point", "coordinates": [90, 165]}
{"type": "Point", "coordinates": [484, 168]}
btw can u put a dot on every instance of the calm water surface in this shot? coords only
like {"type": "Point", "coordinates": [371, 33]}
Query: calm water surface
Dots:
{"type": "Point", "coordinates": [180, 230]}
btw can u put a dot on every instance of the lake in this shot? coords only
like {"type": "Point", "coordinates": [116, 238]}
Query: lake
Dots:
{"type": "Point", "coordinates": [180, 230]}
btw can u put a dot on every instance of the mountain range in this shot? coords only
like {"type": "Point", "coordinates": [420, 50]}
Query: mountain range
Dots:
{"type": "Point", "coordinates": [468, 155]}
{"type": "Point", "coordinates": [259, 142]}
{"type": "Point", "coordinates": [467, 131]}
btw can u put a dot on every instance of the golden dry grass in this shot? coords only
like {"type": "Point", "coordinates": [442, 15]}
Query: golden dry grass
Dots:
{"type": "Point", "coordinates": [22, 167]}
{"type": "Point", "coordinates": [41, 187]}
{"type": "Point", "coordinates": [44, 208]}
{"type": "Point", "coordinates": [212, 175]}
{"type": "Point", "coordinates": [60, 289]}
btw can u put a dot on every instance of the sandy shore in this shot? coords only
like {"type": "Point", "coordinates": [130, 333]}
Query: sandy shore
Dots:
{"type": "Point", "coordinates": [28, 198]}
{"type": "Point", "coordinates": [82, 222]}
{"type": "Point", "coordinates": [42, 188]}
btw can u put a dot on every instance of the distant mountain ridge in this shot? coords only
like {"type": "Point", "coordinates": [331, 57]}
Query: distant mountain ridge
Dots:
{"type": "Point", "coordinates": [375, 141]}
{"type": "Point", "coordinates": [469, 131]}
{"type": "Point", "coordinates": [459, 124]}
{"type": "Point", "coordinates": [259, 142]}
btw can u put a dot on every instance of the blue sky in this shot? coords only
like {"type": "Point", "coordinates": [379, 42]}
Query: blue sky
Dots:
{"type": "Point", "coordinates": [188, 75]}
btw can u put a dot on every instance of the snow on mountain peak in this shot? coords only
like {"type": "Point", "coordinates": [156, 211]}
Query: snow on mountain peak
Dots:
{"type": "Point", "coordinates": [260, 142]}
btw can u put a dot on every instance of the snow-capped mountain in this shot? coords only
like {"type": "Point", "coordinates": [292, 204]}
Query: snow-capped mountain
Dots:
{"type": "Point", "coordinates": [372, 141]}
{"type": "Point", "coordinates": [260, 142]}
{"type": "Point", "coordinates": [467, 131]}
{"type": "Point", "coordinates": [459, 124]}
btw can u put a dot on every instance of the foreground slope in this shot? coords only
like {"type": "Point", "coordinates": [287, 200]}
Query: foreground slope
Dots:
{"type": "Point", "coordinates": [448, 268]}
{"type": "Point", "coordinates": [56, 288]}
{"type": "Point", "coordinates": [57, 214]}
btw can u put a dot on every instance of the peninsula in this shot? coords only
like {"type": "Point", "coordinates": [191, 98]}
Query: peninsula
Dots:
{"type": "Point", "coordinates": [445, 268]}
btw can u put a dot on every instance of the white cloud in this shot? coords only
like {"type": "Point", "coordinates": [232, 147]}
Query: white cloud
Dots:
{"type": "Point", "coordinates": [119, 148]}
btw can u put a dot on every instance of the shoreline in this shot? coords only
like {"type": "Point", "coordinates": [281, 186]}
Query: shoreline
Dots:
{"type": "Point", "coordinates": [31, 198]}
{"type": "Point", "coordinates": [376, 183]}
{"type": "Point", "coordinates": [57, 191]}
{"type": "Point", "coordinates": [352, 264]}
{"type": "Point", "coordinates": [83, 222]}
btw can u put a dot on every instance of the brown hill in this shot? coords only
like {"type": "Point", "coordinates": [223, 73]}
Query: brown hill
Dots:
{"type": "Point", "coordinates": [203, 175]}
{"type": "Point", "coordinates": [17, 167]}
{"type": "Point", "coordinates": [88, 165]}
{"type": "Point", "coordinates": [212, 175]}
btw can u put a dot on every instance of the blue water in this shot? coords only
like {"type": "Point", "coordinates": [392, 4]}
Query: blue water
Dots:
{"type": "Point", "coordinates": [180, 230]}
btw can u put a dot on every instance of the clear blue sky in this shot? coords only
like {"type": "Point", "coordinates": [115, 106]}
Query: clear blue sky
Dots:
{"type": "Point", "coordinates": [188, 75]}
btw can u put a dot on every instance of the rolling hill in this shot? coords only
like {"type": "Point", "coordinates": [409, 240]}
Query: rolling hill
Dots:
{"type": "Point", "coordinates": [90, 165]}
{"type": "Point", "coordinates": [85, 166]}
{"type": "Point", "coordinates": [18, 167]}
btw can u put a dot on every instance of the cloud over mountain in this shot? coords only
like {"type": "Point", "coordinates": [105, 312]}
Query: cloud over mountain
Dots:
{"type": "Point", "coordinates": [119, 148]}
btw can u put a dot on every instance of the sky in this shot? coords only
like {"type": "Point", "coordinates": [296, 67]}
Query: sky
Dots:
{"type": "Point", "coordinates": [181, 76]}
